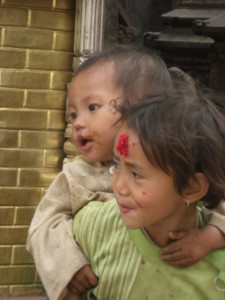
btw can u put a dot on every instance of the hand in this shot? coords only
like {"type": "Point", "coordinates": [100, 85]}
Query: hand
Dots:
{"type": "Point", "coordinates": [187, 248]}
{"type": "Point", "coordinates": [83, 281]}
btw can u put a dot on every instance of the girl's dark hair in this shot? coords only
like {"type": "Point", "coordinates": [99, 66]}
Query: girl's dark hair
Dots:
{"type": "Point", "coordinates": [183, 135]}
{"type": "Point", "coordinates": [139, 72]}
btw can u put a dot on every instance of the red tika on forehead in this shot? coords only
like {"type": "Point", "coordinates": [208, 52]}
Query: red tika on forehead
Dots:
{"type": "Point", "coordinates": [122, 145]}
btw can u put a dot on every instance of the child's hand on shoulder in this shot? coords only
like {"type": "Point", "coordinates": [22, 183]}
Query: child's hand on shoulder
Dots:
{"type": "Point", "coordinates": [83, 280]}
{"type": "Point", "coordinates": [189, 247]}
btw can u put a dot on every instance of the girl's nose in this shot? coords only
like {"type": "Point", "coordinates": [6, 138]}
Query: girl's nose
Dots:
{"type": "Point", "coordinates": [120, 183]}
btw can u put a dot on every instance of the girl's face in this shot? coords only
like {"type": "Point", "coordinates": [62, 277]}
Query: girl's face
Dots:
{"type": "Point", "coordinates": [92, 116]}
{"type": "Point", "coordinates": [145, 194]}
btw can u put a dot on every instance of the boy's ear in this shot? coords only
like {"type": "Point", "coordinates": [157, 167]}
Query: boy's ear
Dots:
{"type": "Point", "coordinates": [197, 188]}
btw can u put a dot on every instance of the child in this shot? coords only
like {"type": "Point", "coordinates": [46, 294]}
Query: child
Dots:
{"type": "Point", "coordinates": [168, 155]}
{"type": "Point", "coordinates": [121, 73]}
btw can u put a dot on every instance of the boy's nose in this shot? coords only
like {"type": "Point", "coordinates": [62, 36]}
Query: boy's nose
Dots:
{"type": "Point", "coordinates": [79, 123]}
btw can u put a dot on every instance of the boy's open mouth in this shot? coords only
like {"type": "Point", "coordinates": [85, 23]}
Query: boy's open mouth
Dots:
{"type": "Point", "coordinates": [84, 142]}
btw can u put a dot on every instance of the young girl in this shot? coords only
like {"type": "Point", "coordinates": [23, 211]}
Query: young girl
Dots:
{"type": "Point", "coordinates": [168, 156]}
{"type": "Point", "coordinates": [119, 73]}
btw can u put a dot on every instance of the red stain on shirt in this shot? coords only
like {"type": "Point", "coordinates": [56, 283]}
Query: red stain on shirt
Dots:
{"type": "Point", "coordinates": [122, 145]}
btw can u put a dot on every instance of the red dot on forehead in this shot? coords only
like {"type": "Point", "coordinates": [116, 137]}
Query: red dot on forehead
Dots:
{"type": "Point", "coordinates": [122, 145]}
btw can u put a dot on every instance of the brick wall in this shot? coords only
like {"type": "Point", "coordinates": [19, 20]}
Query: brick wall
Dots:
{"type": "Point", "coordinates": [36, 49]}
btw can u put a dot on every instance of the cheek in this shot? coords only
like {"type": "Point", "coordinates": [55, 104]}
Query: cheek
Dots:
{"type": "Point", "coordinates": [94, 133]}
{"type": "Point", "coordinates": [144, 196]}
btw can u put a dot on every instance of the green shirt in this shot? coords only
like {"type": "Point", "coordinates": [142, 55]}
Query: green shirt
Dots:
{"type": "Point", "coordinates": [129, 266]}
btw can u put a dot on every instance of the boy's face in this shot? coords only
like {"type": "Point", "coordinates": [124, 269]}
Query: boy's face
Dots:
{"type": "Point", "coordinates": [93, 118]}
{"type": "Point", "coordinates": [145, 194]}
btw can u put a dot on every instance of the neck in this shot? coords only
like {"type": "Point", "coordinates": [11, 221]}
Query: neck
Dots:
{"type": "Point", "coordinates": [159, 233]}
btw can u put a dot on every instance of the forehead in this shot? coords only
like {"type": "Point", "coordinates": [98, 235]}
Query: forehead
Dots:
{"type": "Point", "coordinates": [125, 140]}
{"type": "Point", "coordinates": [127, 148]}
{"type": "Point", "coordinates": [97, 81]}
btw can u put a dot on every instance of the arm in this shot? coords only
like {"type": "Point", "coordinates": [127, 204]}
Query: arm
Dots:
{"type": "Point", "coordinates": [50, 234]}
{"type": "Point", "coordinates": [50, 238]}
{"type": "Point", "coordinates": [191, 246]}
{"type": "Point", "coordinates": [216, 216]}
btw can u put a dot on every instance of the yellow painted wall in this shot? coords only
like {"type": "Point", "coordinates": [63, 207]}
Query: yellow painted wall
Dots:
{"type": "Point", "coordinates": [36, 53]}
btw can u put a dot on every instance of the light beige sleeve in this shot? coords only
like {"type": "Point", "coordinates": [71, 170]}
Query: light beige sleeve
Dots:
{"type": "Point", "coordinates": [50, 240]}
{"type": "Point", "coordinates": [216, 216]}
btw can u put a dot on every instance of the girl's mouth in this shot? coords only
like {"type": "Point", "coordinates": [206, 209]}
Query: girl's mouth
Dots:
{"type": "Point", "coordinates": [124, 209]}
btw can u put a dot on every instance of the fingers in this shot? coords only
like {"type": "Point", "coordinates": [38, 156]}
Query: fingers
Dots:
{"type": "Point", "coordinates": [177, 235]}
{"type": "Point", "coordinates": [83, 280]}
{"type": "Point", "coordinates": [183, 263]}
{"type": "Point", "coordinates": [77, 288]}
{"type": "Point", "coordinates": [172, 257]}
{"type": "Point", "coordinates": [171, 249]}
{"type": "Point", "coordinates": [177, 244]}
{"type": "Point", "coordinates": [177, 259]}
{"type": "Point", "coordinates": [92, 278]}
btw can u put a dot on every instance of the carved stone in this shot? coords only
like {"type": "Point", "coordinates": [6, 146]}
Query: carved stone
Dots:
{"type": "Point", "coordinates": [194, 40]}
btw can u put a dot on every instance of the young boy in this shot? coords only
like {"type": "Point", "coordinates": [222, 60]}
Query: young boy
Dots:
{"type": "Point", "coordinates": [162, 168]}
{"type": "Point", "coordinates": [115, 75]}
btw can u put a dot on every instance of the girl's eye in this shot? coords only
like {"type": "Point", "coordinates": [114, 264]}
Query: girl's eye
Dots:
{"type": "Point", "coordinates": [93, 107]}
{"type": "Point", "coordinates": [136, 175]}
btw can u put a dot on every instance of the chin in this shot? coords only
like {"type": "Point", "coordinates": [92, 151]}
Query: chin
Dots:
{"type": "Point", "coordinates": [90, 159]}
{"type": "Point", "coordinates": [130, 225]}
{"type": "Point", "coordinates": [96, 158]}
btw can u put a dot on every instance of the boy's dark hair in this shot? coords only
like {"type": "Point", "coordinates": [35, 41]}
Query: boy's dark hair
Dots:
{"type": "Point", "coordinates": [139, 72]}
{"type": "Point", "coordinates": [182, 135]}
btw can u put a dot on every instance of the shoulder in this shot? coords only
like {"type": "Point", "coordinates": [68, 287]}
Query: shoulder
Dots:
{"type": "Point", "coordinates": [97, 214]}
{"type": "Point", "coordinates": [77, 166]}
{"type": "Point", "coordinates": [94, 177]}
{"type": "Point", "coordinates": [97, 221]}
{"type": "Point", "coordinates": [81, 166]}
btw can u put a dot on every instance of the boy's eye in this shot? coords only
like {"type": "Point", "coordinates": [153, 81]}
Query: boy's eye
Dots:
{"type": "Point", "coordinates": [93, 107]}
{"type": "Point", "coordinates": [72, 116]}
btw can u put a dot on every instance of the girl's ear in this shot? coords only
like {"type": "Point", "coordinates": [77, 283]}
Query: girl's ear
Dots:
{"type": "Point", "coordinates": [197, 188]}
